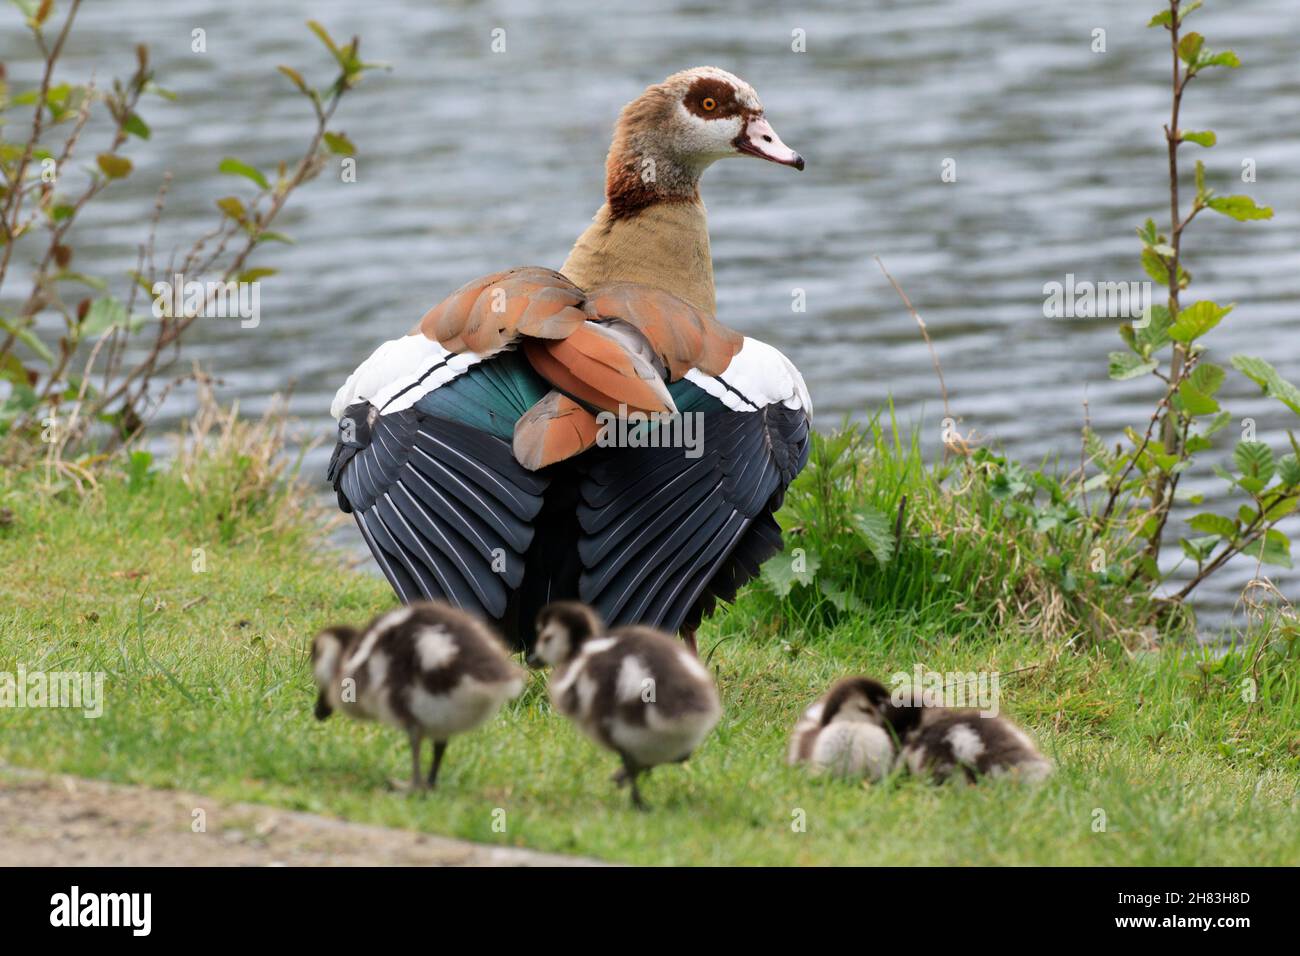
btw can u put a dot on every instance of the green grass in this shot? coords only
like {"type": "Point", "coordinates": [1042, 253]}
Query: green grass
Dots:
{"type": "Point", "coordinates": [208, 690]}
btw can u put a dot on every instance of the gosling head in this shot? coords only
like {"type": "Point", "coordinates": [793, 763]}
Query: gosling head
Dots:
{"type": "Point", "coordinates": [856, 699]}
{"type": "Point", "coordinates": [562, 628]}
{"type": "Point", "coordinates": [326, 653]}
{"type": "Point", "coordinates": [676, 129]}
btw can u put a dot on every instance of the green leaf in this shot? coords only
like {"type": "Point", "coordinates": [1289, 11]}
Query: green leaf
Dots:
{"type": "Point", "coordinates": [252, 275]}
{"type": "Point", "coordinates": [1226, 58]}
{"type": "Point", "coordinates": [1212, 524]}
{"type": "Point", "coordinates": [780, 573]}
{"type": "Point", "coordinates": [1199, 549]}
{"type": "Point", "coordinates": [1201, 138]}
{"type": "Point", "coordinates": [1240, 208]}
{"type": "Point", "coordinates": [1197, 319]}
{"type": "Point", "coordinates": [136, 126]}
{"type": "Point", "coordinates": [233, 208]}
{"type": "Point", "coordinates": [95, 282]}
{"type": "Point", "coordinates": [1276, 549]}
{"type": "Point", "coordinates": [104, 314]}
{"type": "Point", "coordinates": [1153, 336]}
{"type": "Point", "coordinates": [114, 166]}
{"type": "Point", "coordinates": [297, 80]}
{"type": "Point", "coordinates": [235, 167]}
{"type": "Point", "coordinates": [1189, 47]}
{"type": "Point", "coordinates": [1268, 379]}
{"type": "Point", "coordinates": [1207, 378]}
{"type": "Point", "coordinates": [876, 531]}
{"type": "Point", "coordinates": [28, 338]}
{"type": "Point", "coordinates": [1288, 470]}
{"type": "Point", "coordinates": [1162, 19]}
{"type": "Point", "coordinates": [842, 599]}
{"type": "Point", "coordinates": [1194, 401]}
{"type": "Point", "coordinates": [137, 471]}
{"type": "Point", "coordinates": [156, 90]}
{"type": "Point", "coordinates": [1201, 192]}
{"type": "Point", "coordinates": [325, 38]}
{"type": "Point", "coordinates": [339, 144]}
{"type": "Point", "coordinates": [1158, 269]}
{"type": "Point", "coordinates": [1126, 365]}
{"type": "Point", "coordinates": [1254, 459]}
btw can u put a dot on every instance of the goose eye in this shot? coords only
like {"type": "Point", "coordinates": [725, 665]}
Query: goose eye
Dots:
{"type": "Point", "coordinates": [709, 103]}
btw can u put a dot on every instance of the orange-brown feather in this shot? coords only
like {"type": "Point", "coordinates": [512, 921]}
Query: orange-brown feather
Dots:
{"type": "Point", "coordinates": [486, 314]}
{"type": "Point", "coordinates": [597, 370]}
{"type": "Point", "coordinates": [683, 336]}
{"type": "Point", "coordinates": [552, 430]}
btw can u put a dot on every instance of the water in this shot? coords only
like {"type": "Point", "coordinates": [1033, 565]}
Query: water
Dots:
{"type": "Point", "coordinates": [472, 161]}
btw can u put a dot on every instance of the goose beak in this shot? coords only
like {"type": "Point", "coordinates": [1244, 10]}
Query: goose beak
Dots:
{"type": "Point", "coordinates": [759, 139]}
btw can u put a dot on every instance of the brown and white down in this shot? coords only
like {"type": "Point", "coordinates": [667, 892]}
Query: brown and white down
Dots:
{"type": "Point", "coordinates": [843, 733]}
{"type": "Point", "coordinates": [940, 741]}
{"type": "Point", "coordinates": [856, 730]}
{"type": "Point", "coordinates": [633, 690]}
{"type": "Point", "coordinates": [429, 669]}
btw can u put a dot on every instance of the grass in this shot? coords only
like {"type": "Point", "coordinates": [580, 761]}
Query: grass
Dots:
{"type": "Point", "coordinates": [208, 690]}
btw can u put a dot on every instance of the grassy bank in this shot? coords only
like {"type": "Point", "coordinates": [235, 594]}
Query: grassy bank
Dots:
{"type": "Point", "coordinates": [208, 690]}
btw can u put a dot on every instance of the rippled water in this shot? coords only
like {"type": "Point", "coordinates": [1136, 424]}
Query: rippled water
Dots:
{"type": "Point", "coordinates": [473, 161]}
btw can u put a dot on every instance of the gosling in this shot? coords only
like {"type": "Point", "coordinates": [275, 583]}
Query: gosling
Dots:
{"type": "Point", "coordinates": [633, 690]}
{"type": "Point", "coordinates": [843, 733]}
{"type": "Point", "coordinates": [427, 668]}
{"type": "Point", "coordinates": [940, 741]}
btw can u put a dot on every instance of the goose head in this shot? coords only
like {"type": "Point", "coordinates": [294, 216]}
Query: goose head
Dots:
{"type": "Point", "coordinates": [676, 129]}
{"type": "Point", "coordinates": [562, 628]}
{"type": "Point", "coordinates": [326, 655]}
{"type": "Point", "coordinates": [856, 699]}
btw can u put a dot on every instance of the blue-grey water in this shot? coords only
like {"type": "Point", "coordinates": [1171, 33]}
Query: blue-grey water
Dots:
{"type": "Point", "coordinates": [473, 160]}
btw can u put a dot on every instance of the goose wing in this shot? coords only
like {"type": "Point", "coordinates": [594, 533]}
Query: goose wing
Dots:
{"type": "Point", "coordinates": [667, 531]}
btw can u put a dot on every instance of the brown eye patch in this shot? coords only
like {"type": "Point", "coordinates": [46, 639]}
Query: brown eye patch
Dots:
{"type": "Point", "coordinates": [709, 98]}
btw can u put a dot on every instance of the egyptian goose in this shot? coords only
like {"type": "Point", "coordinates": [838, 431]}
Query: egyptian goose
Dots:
{"type": "Point", "coordinates": [429, 669]}
{"type": "Point", "coordinates": [843, 733]}
{"type": "Point", "coordinates": [940, 741]}
{"type": "Point", "coordinates": [470, 451]}
{"type": "Point", "coordinates": [632, 689]}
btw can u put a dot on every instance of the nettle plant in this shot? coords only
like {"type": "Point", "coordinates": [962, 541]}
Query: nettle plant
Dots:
{"type": "Point", "coordinates": [1141, 481]}
{"type": "Point", "coordinates": [100, 372]}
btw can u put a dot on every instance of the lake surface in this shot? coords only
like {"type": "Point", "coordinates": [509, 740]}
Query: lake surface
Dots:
{"type": "Point", "coordinates": [471, 161]}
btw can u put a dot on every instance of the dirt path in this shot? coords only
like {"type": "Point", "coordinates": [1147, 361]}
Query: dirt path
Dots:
{"type": "Point", "coordinates": [48, 820]}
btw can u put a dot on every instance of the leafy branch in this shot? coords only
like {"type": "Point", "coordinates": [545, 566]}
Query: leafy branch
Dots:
{"type": "Point", "coordinates": [32, 200]}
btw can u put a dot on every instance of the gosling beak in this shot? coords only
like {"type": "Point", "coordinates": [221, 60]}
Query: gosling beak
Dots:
{"type": "Point", "coordinates": [533, 660]}
{"type": "Point", "coordinates": [759, 139]}
{"type": "Point", "coordinates": [323, 708]}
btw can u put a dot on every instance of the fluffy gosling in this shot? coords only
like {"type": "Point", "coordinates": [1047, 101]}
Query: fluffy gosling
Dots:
{"type": "Point", "coordinates": [428, 668]}
{"type": "Point", "coordinates": [633, 690]}
{"type": "Point", "coordinates": [939, 741]}
{"type": "Point", "coordinates": [843, 732]}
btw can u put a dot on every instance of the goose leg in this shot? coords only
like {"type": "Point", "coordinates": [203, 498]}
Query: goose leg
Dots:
{"type": "Point", "coordinates": [688, 635]}
{"type": "Point", "coordinates": [439, 748]}
{"type": "Point", "coordinates": [628, 775]}
{"type": "Point", "coordinates": [417, 781]}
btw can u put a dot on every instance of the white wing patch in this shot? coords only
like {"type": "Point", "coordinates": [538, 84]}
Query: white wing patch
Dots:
{"type": "Point", "coordinates": [758, 376]}
{"type": "Point", "coordinates": [401, 372]}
